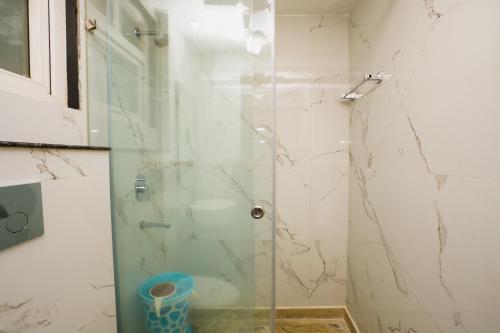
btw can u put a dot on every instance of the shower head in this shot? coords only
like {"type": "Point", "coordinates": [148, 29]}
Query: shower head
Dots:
{"type": "Point", "coordinates": [160, 40]}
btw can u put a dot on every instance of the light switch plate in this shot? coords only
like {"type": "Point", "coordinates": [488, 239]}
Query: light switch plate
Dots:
{"type": "Point", "coordinates": [21, 214]}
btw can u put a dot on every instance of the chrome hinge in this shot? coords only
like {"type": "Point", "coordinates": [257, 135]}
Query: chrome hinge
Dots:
{"type": "Point", "coordinates": [90, 24]}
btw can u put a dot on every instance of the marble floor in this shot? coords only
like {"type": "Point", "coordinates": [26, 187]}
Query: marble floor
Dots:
{"type": "Point", "coordinates": [335, 325]}
{"type": "Point", "coordinates": [229, 322]}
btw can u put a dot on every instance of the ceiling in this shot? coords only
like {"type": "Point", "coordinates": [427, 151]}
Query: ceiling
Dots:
{"type": "Point", "coordinates": [314, 7]}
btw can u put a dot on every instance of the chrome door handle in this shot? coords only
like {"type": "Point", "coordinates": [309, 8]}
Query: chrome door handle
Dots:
{"type": "Point", "coordinates": [257, 212]}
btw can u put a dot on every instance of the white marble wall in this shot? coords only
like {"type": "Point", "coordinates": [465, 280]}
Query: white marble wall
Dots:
{"type": "Point", "coordinates": [425, 185]}
{"type": "Point", "coordinates": [63, 280]}
{"type": "Point", "coordinates": [312, 160]}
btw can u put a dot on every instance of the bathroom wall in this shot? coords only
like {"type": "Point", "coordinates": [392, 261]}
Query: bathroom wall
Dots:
{"type": "Point", "coordinates": [312, 160]}
{"type": "Point", "coordinates": [63, 280]}
{"type": "Point", "coordinates": [425, 185]}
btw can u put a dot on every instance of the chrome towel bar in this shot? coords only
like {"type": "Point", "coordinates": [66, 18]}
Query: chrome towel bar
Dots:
{"type": "Point", "coordinates": [353, 95]}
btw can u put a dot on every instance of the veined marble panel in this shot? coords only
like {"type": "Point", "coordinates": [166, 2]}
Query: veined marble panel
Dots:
{"type": "Point", "coordinates": [23, 114]}
{"type": "Point", "coordinates": [424, 168]}
{"type": "Point", "coordinates": [63, 280]}
{"type": "Point", "coordinates": [312, 160]}
{"type": "Point", "coordinates": [314, 7]}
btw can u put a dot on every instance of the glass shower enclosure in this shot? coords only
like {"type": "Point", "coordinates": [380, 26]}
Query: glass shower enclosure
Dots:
{"type": "Point", "coordinates": [182, 92]}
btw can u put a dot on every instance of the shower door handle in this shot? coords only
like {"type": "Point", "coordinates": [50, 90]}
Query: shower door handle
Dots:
{"type": "Point", "coordinates": [257, 212]}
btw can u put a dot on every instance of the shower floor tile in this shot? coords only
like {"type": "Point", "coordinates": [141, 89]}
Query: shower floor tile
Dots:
{"type": "Point", "coordinates": [288, 321]}
{"type": "Point", "coordinates": [336, 325]}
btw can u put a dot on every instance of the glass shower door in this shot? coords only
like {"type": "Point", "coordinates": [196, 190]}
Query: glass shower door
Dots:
{"type": "Point", "coordinates": [182, 92]}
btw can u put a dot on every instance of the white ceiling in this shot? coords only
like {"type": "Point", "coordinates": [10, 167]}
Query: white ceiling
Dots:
{"type": "Point", "coordinates": [314, 7]}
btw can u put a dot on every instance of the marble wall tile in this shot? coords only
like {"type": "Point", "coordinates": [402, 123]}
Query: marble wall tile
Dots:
{"type": "Point", "coordinates": [292, 266]}
{"type": "Point", "coordinates": [63, 280]}
{"type": "Point", "coordinates": [328, 202]}
{"type": "Point", "coordinates": [312, 160]}
{"type": "Point", "coordinates": [312, 273]}
{"type": "Point", "coordinates": [314, 7]}
{"type": "Point", "coordinates": [327, 272]}
{"type": "Point", "coordinates": [293, 192]}
{"type": "Point", "coordinates": [423, 168]}
{"type": "Point", "coordinates": [23, 114]}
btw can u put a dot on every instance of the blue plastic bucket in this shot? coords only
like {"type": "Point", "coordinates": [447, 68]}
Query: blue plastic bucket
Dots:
{"type": "Point", "coordinates": [174, 311]}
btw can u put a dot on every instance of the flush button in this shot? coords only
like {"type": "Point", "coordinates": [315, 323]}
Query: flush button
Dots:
{"type": "Point", "coordinates": [21, 213]}
{"type": "Point", "coordinates": [17, 222]}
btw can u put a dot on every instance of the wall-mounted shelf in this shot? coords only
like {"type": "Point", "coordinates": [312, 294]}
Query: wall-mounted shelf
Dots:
{"type": "Point", "coordinates": [353, 95]}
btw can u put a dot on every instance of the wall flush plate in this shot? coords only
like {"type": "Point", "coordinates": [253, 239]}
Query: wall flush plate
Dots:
{"type": "Point", "coordinates": [21, 214]}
